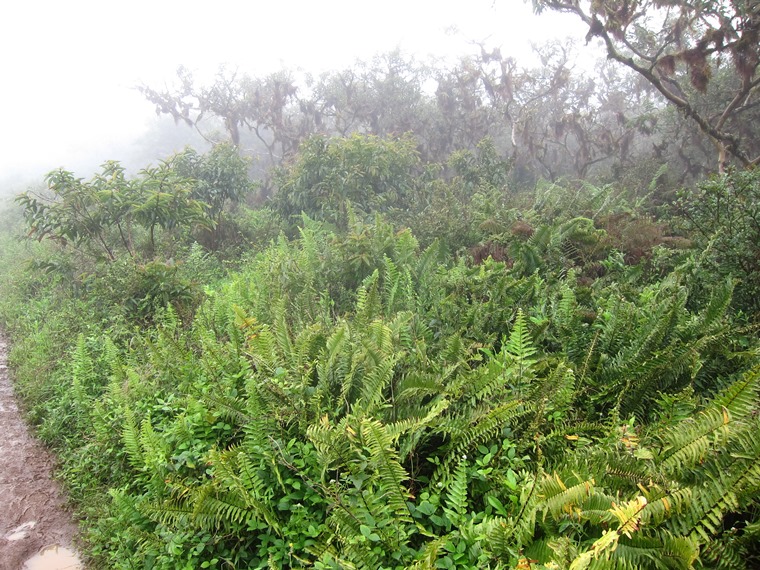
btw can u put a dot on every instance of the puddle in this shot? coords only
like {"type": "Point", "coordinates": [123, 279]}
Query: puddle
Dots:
{"type": "Point", "coordinates": [54, 557]}
{"type": "Point", "coordinates": [20, 531]}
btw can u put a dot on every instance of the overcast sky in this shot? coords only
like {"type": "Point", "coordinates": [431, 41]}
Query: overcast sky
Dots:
{"type": "Point", "coordinates": [69, 67]}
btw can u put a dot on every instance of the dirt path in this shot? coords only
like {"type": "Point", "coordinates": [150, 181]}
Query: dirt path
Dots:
{"type": "Point", "coordinates": [36, 530]}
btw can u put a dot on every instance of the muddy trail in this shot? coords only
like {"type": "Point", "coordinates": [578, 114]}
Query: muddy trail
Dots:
{"type": "Point", "coordinates": [36, 529]}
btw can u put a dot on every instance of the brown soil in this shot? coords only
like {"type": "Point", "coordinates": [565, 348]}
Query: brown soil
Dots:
{"type": "Point", "coordinates": [33, 515]}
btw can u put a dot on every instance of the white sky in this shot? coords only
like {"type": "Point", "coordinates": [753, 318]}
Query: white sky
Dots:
{"type": "Point", "coordinates": [67, 67]}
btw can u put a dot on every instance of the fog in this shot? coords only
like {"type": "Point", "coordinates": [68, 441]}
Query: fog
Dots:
{"type": "Point", "coordinates": [70, 68]}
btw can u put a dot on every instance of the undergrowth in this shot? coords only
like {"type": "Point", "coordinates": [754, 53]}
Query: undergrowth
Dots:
{"type": "Point", "coordinates": [347, 397]}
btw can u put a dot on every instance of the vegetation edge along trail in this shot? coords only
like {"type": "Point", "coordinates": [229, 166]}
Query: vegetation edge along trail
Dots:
{"type": "Point", "coordinates": [522, 335]}
{"type": "Point", "coordinates": [33, 512]}
{"type": "Point", "coordinates": [352, 391]}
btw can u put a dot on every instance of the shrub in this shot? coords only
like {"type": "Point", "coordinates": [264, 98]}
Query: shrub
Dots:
{"type": "Point", "coordinates": [723, 216]}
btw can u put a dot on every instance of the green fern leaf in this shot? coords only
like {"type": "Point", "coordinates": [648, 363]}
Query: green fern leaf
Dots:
{"type": "Point", "coordinates": [391, 475]}
{"type": "Point", "coordinates": [456, 496]}
{"type": "Point", "coordinates": [558, 498]}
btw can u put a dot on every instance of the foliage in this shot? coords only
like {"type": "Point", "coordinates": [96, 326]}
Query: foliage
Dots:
{"type": "Point", "coordinates": [542, 387]}
{"type": "Point", "coordinates": [550, 120]}
{"type": "Point", "coordinates": [722, 215]}
{"type": "Point", "coordinates": [676, 45]}
{"type": "Point", "coordinates": [366, 174]}
{"type": "Point", "coordinates": [219, 178]}
{"type": "Point", "coordinates": [88, 214]}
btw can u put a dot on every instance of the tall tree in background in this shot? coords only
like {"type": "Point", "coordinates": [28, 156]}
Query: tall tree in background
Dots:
{"type": "Point", "coordinates": [239, 102]}
{"type": "Point", "coordinates": [682, 47]}
{"type": "Point", "coordinates": [552, 121]}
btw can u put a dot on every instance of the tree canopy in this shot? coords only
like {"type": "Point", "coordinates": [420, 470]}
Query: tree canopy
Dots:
{"type": "Point", "coordinates": [683, 49]}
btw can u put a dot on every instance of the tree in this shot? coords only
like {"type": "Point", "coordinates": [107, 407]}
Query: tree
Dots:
{"type": "Point", "coordinates": [381, 97]}
{"type": "Point", "coordinates": [680, 47]}
{"type": "Point", "coordinates": [366, 173]}
{"type": "Point", "coordinates": [567, 122]}
{"type": "Point", "coordinates": [551, 119]}
{"type": "Point", "coordinates": [239, 101]}
{"type": "Point", "coordinates": [97, 217]}
{"type": "Point", "coordinates": [190, 104]}
{"type": "Point", "coordinates": [166, 202]}
{"type": "Point", "coordinates": [82, 214]}
{"type": "Point", "coordinates": [218, 178]}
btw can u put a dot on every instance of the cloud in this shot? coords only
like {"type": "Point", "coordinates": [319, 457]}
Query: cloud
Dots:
{"type": "Point", "coordinates": [68, 85]}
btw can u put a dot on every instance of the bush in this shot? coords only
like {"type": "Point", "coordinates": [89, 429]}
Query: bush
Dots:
{"type": "Point", "coordinates": [723, 216]}
{"type": "Point", "coordinates": [366, 172]}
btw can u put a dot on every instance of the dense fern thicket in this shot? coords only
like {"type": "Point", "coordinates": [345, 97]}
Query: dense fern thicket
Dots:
{"type": "Point", "coordinates": [418, 372]}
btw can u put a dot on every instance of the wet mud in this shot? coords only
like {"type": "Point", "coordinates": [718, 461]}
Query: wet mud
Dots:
{"type": "Point", "coordinates": [36, 530]}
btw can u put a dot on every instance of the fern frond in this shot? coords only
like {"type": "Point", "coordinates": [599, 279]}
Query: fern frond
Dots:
{"type": "Point", "coordinates": [557, 498]}
{"type": "Point", "coordinates": [520, 345]}
{"type": "Point", "coordinates": [263, 351]}
{"type": "Point", "coordinates": [131, 437]}
{"type": "Point", "coordinates": [238, 492]}
{"type": "Point", "coordinates": [662, 552]}
{"type": "Point", "coordinates": [734, 480]}
{"type": "Point", "coordinates": [741, 398]}
{"type": "Point", "coordinates": [506, 537]}
{"type": "Point", "coordinates": [368, 302]}
{"type": "Point", "coordinates": [477, 431]}
{"type": "Point", "coordinates": [710, 503]}
{"type": "Point", "coordinates": [169, 513]}
{"type": "Point", "coordinates": [216, 511]}
{"type": "Point", "coordinates": [374, 382]}
{"type": "Point", "coordinates": [380, 337]}
{"type": "Point", "coordinates": [428, 556]}
{"type": "Point", "coordinates": [456, 494]}
{"type": "Point", "coordinates": [687, 443]}
{"type": "Point", "coordinates": [233, 409]}
{"type": "Point", "coordinates": [556, 391]}
{"type": "Point", "coordinates": [355, 554]}
{"type": "Point", "coordinates": [333, 370]}
{"type": "Point", "coordinates": [720, 300]}
{"type": "Point", "coordinates": [330, 442]}
{"type": "Point", "coordinates": [82, 367]}
{"type": "Point", "coordinates": [662, 505]}
{"type": "Point", "coordinates": [485, 383]}
{"type": "Point", "coordinates": [281, 333]}
{"type": "Point", "coordinates": [392, 285]}
{"type": "Point", "coordinates": [391, 475]}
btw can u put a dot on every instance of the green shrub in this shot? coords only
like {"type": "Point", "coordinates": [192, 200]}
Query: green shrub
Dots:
{"type": "Point", "coordinates": [723, 216]}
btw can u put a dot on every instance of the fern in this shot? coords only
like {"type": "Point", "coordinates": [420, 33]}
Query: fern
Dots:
{"type": "Point", "coordinates": [720, 300]}
{"type": "Point", "coordinates": [728, 484]}
{"type": "Point", "coordinates": [662, 552]}
{"type": "Point", "coordinates": [741, 398]}
{"type": "Point", "coordinates": [233, 409]}
{"type": "Point", "coordinates": [555, 392]}
{"type": "Point", "coordinates": [333, 368]}
{"type": "Point", "coordinates": [354, 554]}
{"type": "Point", "coordinates": [282, 336]}
{"type": "Point", "coordinates": [456, 496]}
{"type": "Point", "coordinates": [368, 300]}
{"type": "Point", "coordinates": [506, 537]}
{"type": "Point", "coordinates": [558, 498]}
{"type": "Point", "coordinates": [244, 494]}
{"type": "Point", "coordinates": [390, 473]}
{"type": "Point", "coordinates": [477, 430]}
{"type": "Point", "coordinates": [688, 443]}
{"type": "Point", "coordinates": [82, 369]}
{"type": "Point", "coordinates": [392, 285]}
{"type": "Point", "coordinates": [520, 347]}
{"type": "Point", "coordinates": [131, 438]}
{"type": "Point", "coordinates": [331, 443]}
{"type": "Point", "coordinates": [665, 504]}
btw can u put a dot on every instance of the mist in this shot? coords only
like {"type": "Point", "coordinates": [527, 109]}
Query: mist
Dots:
{"type": "Point", "coordinates": [71, 100]}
